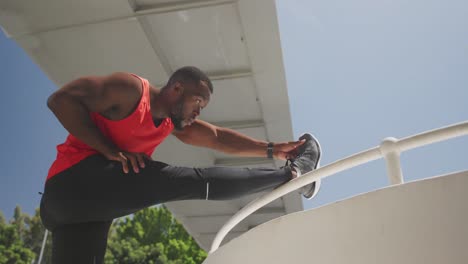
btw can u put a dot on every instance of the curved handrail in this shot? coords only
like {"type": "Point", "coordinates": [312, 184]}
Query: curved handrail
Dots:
{"type": "Point", "coordinates": [398, 146]}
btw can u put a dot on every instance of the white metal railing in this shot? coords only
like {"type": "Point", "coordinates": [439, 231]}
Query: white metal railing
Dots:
{"type": "Point", "coordinates": [389, 149]}
{"type": "Point", "coordinates": [43, 246]}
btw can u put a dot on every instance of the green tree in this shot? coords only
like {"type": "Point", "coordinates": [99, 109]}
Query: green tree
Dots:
{"type": "Point", "coordinates": [19, 222]}
{"type": "Point", "coordinates": [2, 219]}
{"type": "Point", "coordinates": [12, 249]}
{"type": "Point", "coordinates": [152, 236]}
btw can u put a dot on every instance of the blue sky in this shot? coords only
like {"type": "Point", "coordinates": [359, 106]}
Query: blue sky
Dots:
{"type": "Point", "coordinates": [29, 130]}
{"type": "Point", "coordinates": [357, 72]}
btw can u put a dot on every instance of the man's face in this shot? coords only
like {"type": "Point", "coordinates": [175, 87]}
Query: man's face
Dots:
{"type": "Point", "coordinates": [189, 105]}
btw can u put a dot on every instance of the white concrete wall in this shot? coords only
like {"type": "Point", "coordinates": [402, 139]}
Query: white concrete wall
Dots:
{"type": "Point", "coordinates": [421, 222]}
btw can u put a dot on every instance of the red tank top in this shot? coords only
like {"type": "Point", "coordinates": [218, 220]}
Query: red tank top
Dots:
{"type": "Point", "coordinates": [135, 133]}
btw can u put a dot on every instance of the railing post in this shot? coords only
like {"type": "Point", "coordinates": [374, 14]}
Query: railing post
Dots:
{"type": "Point", "coordinates": [43, 246]}
{"type": "Point", "coordinates": [391, 153]}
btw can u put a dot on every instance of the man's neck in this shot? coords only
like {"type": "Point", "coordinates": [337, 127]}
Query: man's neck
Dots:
{"type": "Point", "coordinates": [159, 107]}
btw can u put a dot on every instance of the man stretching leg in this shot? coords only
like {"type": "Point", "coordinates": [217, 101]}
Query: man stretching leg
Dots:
{"type": "Point", "coordinates": [104, 170]}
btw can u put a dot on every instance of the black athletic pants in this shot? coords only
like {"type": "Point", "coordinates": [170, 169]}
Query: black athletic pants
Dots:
{"type": "Point", "coordinates": [79, 204]}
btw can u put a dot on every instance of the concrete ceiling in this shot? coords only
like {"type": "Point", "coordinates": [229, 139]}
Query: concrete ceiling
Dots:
{"type": "Point", "coordinates": [235, 41]}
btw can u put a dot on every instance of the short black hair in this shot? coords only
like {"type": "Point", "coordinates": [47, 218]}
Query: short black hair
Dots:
{"type": "Point", "coordinates": [190, 74]}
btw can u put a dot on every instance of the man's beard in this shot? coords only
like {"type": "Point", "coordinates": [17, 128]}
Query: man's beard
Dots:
{"type": "Point", "coordinates": [177, 117]}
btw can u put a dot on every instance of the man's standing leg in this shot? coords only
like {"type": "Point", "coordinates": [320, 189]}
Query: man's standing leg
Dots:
{"type": "Point", "coordinates": [80, 243]}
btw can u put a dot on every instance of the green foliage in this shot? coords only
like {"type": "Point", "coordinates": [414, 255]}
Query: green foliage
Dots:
{"type": "Point", "coordinates": [151, 236]}
{"type": "Point", "coordinates": [2, 219]}
{"type": "Point", "coordinates": [12, 249]}
{"type": "Point", "coordinates": [132, 252]}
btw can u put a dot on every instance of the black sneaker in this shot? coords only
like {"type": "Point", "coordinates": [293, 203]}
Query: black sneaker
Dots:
{"type": "Point", "coordinates": [307, 160]}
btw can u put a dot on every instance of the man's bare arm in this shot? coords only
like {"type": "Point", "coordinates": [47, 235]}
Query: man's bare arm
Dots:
{"type": "Point", "coordinates": [73, 103]}
{"type": "Point", "coordinates": [204, 134]}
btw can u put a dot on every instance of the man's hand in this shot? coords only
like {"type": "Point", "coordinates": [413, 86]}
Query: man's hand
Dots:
{"type": "Point", "coordinates": [137, 160]}
{"type": "Point", "coordinates": [286, 150]}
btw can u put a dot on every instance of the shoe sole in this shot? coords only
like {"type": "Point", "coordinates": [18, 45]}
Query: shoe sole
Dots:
{"type": "Point", "coordinates": [317, 165]}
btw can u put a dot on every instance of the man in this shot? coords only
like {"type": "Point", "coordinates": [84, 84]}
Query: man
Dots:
{"type": "Point", "coordinates": [104, 169]}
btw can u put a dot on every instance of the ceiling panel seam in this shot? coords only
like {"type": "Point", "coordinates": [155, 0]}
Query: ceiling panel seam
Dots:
{"type": "Point", "coordinates": [241, 124]}
{"type": "Point", "coordinates": [184, 5]}
{"type": "Point", "coordinates": [217, 76]}
{"type": "Point", "coordinates": [229, 75]}
{"type": "Point", "coordinates": [135, 15]}
{"type": "Point", "coordinates": [155, 45]}
{"type": "Point", "coordinates": [255, 85]}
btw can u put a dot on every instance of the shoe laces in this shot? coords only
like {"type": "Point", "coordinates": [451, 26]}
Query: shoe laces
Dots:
{"type": "Point", "coordinates": [291, 161]}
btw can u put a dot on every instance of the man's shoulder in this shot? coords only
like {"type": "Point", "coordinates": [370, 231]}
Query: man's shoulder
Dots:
{"type": "Point", "coordinates": [125, 91]}
{"type": "Point", "coordinates": [124, 82]}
